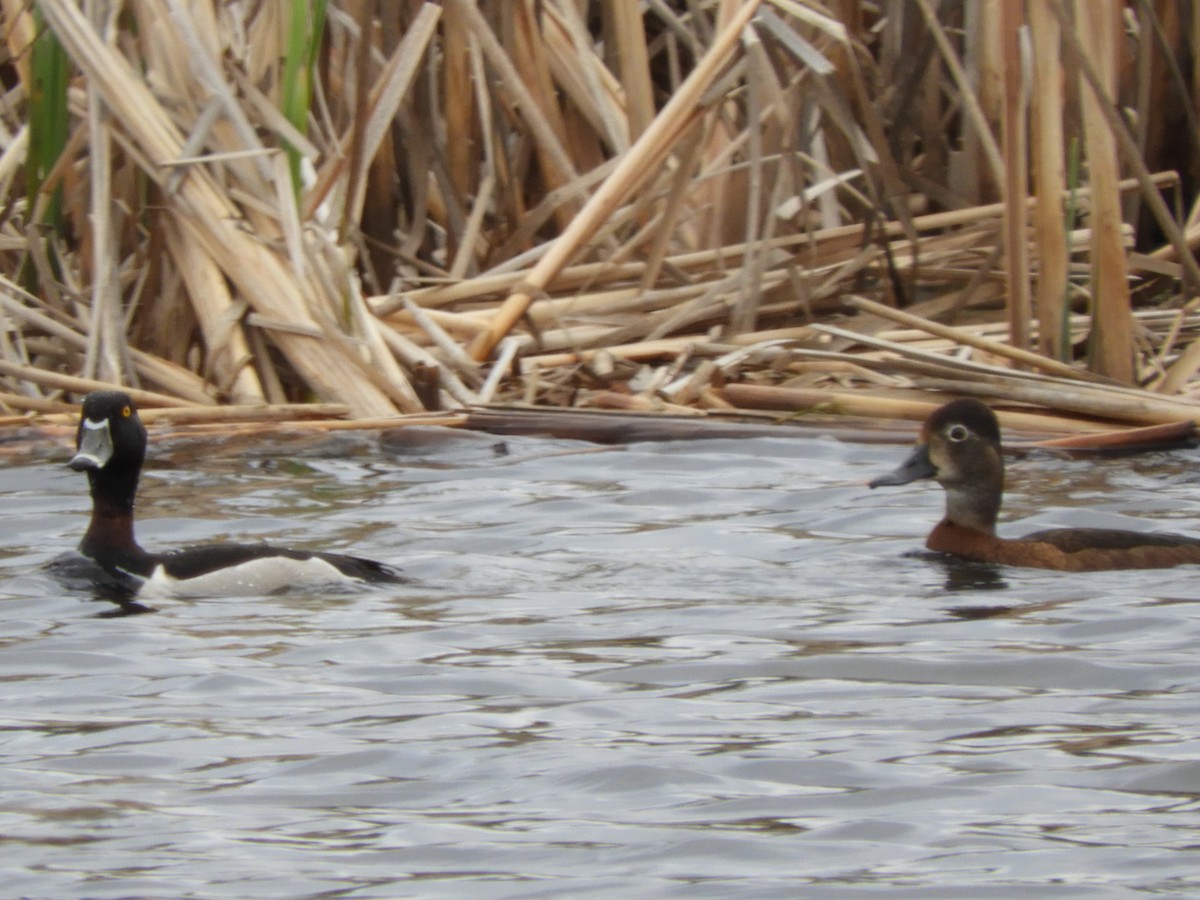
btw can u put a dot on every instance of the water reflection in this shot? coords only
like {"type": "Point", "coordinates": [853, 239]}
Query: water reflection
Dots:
{"type": "Point", "coordinates": [720, 667]}
{"type": "Point", "coordinates": [965, 574]}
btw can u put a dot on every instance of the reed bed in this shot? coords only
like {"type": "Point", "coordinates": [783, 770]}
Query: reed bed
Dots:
{"type": "Point", "coordinates": [704, 209]}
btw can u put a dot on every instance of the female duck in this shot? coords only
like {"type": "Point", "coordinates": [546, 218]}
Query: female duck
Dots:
{"type": "Point", "coordinates": [111, 446]}
{"type": "Point", "coordinates": [959, 446]}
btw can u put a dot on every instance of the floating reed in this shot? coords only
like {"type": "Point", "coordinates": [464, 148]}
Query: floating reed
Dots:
{"type": "Point", "coordinates": [663, 206]}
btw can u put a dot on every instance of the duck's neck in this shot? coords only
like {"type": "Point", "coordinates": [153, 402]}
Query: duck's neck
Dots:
{"type": "Point", "coordinates": [974, 506]}
{"type": "Point", "coordinates": [109, 530]}
{"type": "Point", "coordinates": [111, 525]}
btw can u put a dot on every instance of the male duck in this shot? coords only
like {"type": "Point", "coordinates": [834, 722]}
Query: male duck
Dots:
{"type": "Point", "coordinates": [959, 446]}
{"type": "Point", "coordinates": [111, 446]}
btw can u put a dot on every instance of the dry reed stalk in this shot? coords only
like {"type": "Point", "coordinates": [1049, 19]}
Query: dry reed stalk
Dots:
{"type": "Point", "coordinates": [1149, 409]}
{"type": "Point", "coordinates": [414, 357]}
{"type": "Point", "coordinates": [878, 365]}
{"type": "Point", "coordinates": [453, 353]}
{"type": "Point", "coordinates": [467, 324]}
{"type": "Point", "coordinates": [975, 370]}
{"type": "Point", "coordinates": [1014, 136]}
{"type": "Point", "coordinates": [181, 382]}
{"type": "Point", "coordinates": [557, 164]}
{"type": "Point", "coordinates": [869, 405]}
{"type": "Point", "coordinates": [639, 350]}
{"type": "Point", "coordinates": [591, 90]}
{"type": "Point", "coordinates": [1146, 182]}
{"type": "Point", "coordinates": [180, 426]}
{"type": "Point", "coordinates": [385, 96]}
{"type": "Point", "coordinates": [107, 355]}
{"type": "Point", "coordinates": [206, 216]}
{"type": "Point", "coordinates": [605, 306]}
{"type": "Point", "coordinates": [234, 413]}
{"type": "Point", "coordinates": [459, 100]}
{"type": "Point", "coordinates": [686, 390]}
{"type": "Point", "coordinates": [1105, 401]}
{"type": "Point", "coordinates": [1164, 45]}
{"type": "Point", "coordinates": [468, 251]}
{"type": "Point", "coordinates": [979, 131]}
{"type": "Point", "coordinates": [633, 64]}
{"type": "Point", "coordinates": [18, 304]}
{"type": "Point", "coordinates": [798, 333]}
{"type": "Point", "coordinates": [964, 337]}
{"type": "Point", "coordinates": [1182, 370]}
{"type": "Point", "coordinates": [79, 385]}
{"type": "Point", "coordinates": [1111, 351]}
{"type": "Point", "coordinates": [30, 404]}
{"type": "Point", "coordinates": [821, 246]}
{"type": "Point", "coordinates": [717, 298]}
{"type": "Point", "coordinates": [229, 353]}
{"type": "Point", "coordinates": [19, 33]}
{"type": "Point", "coordinates": [659, 230]}
{"type": "Point", "coordinates": [510, 119]}
{"type": "Point", "coordinates": [844, 372]}
{"type": "Point", "coordinates": [744, 313]}
{"type": "Point", "coordinates": [874, 155]}
{"type": "Point", "coordinates": [713, 189]}
{"type": "Point", "coordinates": [597, 335]}
{"type": "Point", "coordinates": [12, 158]}
{"type": "Point", "coordinates": [502, 365]}
{"type": "Point", "coordinates": [633, 168]}
{"type": "Point", "coordinates": [1050, 180]}
{"type": "Point", "coordinates": [178, 34]}
{"type": "Point", "coordinates": [413, 420]}
{"type": "Point", "coordinates": [1150, 436]}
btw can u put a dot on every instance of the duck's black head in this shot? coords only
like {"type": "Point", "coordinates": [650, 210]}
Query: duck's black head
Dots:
{"type": "Point", "coordinates": [959, 446]}
{"type": "Point", "coordinates": [110, 445]}
{"type": "Point", "coordinates": [972, 415]}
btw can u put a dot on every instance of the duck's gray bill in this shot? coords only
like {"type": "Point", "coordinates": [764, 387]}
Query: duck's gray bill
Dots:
{"type": "Point", "coordinates": [917, 466]}
{"type": "Point", "coordinates": [95, 446]}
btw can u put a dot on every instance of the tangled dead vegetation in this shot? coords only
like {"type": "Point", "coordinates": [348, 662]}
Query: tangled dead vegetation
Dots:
{"type": "Point", "coordinates": [709, 209]}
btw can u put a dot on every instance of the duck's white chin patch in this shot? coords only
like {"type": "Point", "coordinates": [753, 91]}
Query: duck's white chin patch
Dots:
{"type": "Point", "coordinates": [256, 577]}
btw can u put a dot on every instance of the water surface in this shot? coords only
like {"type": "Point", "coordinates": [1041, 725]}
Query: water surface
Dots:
{"type": "Point", "coordinates": [701, 669]}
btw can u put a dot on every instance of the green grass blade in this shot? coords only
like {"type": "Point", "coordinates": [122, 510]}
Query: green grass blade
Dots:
{"type": "Point", "coordinates": [48, 120]}
{"type": "Point", "coordinates": [306, 25]}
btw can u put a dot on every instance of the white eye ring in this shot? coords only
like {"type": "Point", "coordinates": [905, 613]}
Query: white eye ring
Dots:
{"type": "Point", "coordinates": [958, 433]}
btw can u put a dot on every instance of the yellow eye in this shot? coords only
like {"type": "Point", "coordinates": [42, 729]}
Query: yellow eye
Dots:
{"type": "Point", "coordinates": [126, 412]}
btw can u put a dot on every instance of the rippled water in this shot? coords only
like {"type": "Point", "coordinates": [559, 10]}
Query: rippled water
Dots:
{"type": "Point", "coordinates": [701, 669]}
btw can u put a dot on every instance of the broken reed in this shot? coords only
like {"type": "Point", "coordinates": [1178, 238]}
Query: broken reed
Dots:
{"type": "Point", "coordinates": [461, 146]}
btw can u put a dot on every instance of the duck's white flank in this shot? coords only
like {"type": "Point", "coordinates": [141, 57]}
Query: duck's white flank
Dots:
{"type": "Point", "coordinates": [249, 579]}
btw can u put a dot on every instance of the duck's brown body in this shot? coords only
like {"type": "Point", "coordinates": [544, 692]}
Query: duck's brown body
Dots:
{"type": "Point", "coordinates": [960, 448]}
{"type": "Point", "coordinates": [1068, 549]}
